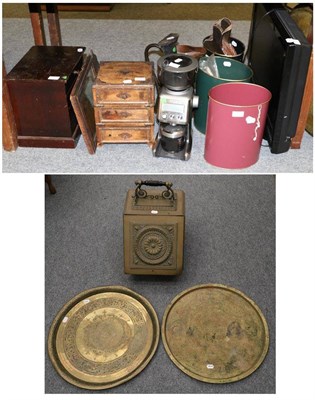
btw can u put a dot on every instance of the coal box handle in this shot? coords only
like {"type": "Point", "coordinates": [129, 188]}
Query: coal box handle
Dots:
{"type": "Point", "coordinates": [141, 193]}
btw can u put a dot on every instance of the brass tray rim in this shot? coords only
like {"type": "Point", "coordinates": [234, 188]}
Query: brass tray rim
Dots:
{"type": "Point", "coordinates": [192, 374]}
{"type": "Point", "coordinates": [69, 305]}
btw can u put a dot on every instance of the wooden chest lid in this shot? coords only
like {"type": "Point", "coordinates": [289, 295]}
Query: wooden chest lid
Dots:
{"type": "Point", "coordinates": [126, 72]}
{"type": "Point", "coordinates": [54, 63]}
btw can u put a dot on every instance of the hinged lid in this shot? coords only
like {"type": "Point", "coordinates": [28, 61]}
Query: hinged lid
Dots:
{"type": "Point", "coordinates": [126, 73]}
{"type": "Point", "coordinates": [154, 202]}
{"type": "Point", "coordinates": [82, 101]}
{"type": "Point", "coordinates": [54, 63]}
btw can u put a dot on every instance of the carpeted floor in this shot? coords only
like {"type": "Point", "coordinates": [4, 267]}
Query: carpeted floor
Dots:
{"type": "Point", "coordinates": [229, 239]}
{"type": "Point", "coordinates": [126, 40]}
{"type": "Point", "coordinates": [172, 11]}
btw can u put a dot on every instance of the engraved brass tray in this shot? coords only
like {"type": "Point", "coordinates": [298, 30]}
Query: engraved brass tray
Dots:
{"type": "Point", "coordinates": [215, 333]}
{"type": "Point", "coordinates": [103, 337]}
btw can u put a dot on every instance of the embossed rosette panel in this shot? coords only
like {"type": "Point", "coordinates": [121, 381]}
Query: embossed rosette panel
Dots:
{"type": "Point", "coordinates": [153, 244]}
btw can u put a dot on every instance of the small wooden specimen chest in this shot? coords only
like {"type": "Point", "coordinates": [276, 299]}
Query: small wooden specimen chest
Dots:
{"type": "Point", "coordinates": [39, 87]}
{"type": "Point", "coordinates": [154, 230]}
{"type": "Point", "coordinates": [123, 95]}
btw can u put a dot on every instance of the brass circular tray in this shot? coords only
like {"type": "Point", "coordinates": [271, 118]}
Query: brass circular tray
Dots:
{"type": "Point", "coordinates": [215, 333]}
{"type": "Point", "coordinates": [103, 337]}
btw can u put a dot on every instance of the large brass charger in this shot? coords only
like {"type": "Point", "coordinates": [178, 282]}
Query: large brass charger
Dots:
{"type": "Point", "coordinates": [215, 333]}
{"type": "Point", "coordinates": [103, 337]}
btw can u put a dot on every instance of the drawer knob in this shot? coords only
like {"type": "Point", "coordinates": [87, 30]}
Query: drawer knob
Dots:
{"type": "Point", "coordinates": [123, 95]}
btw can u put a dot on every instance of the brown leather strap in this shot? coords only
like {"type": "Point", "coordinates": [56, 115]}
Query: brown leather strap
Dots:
{"type": "Point", "coordinates": [192, 51]}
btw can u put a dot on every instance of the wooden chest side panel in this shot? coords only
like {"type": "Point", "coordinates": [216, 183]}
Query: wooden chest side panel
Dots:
{"type": "Point", "coordinates": [41, 109]}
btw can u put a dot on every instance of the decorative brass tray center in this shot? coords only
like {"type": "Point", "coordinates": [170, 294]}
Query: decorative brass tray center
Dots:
{"type": "Point", "coordinates": [103, 336]}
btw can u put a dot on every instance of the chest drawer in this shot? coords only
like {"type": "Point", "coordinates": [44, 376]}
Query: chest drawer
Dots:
{"type": "Point", "coordinates": [124, 115]}
{"type": "Point", "coordinates": [123, 95]}
{"type": "Point", "coordinates": [106, 134]}
{"type": "Point", "coordinates": [122, 82]}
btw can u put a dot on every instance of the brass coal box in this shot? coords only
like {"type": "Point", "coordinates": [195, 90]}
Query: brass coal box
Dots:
{"type": "Point", "coordinates": [154, 230]}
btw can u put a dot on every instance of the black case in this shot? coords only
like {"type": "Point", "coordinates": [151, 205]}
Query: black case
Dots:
{"type": "Point", "coordinates": [279, 56]}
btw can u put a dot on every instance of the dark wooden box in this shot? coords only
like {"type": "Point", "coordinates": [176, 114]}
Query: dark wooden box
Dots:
{"type": "Point", "coordinates": [40, 85]}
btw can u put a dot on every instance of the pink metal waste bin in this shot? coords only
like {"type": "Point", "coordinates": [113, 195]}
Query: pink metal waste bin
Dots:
{"type": "Point", "coordinates": [235, 124]}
